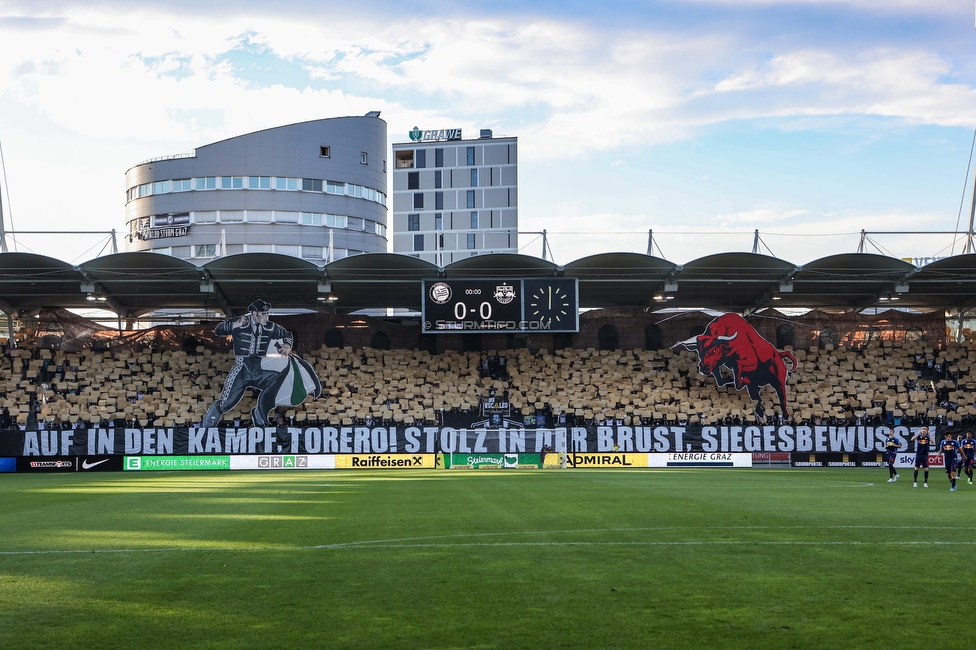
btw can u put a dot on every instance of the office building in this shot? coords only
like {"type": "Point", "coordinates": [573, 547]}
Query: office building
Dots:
{"type": "Point", "coordinates": [315, 190]}
{"type": "Point", "coordinates": [454, 198]}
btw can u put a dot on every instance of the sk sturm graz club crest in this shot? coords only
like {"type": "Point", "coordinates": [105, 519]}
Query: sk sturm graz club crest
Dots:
{"type": "Point", "coordinates": [440, 292]}
{"type": "Point", "coordinates": [263, 362]}
{"type": "Point", "coordinates": [732, 342]}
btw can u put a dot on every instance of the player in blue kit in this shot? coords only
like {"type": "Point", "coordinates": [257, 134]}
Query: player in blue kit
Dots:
{"type": "Point", "coordinates": [968, 448]}
{"type": "Point", "coordinates": [923, 442]}
{"type": "Point", "coordinates": [959, 456]}
{"type": "Point", "coordinates": [949, 449]}
{"type": "Point", "coordinates": [892, 444]}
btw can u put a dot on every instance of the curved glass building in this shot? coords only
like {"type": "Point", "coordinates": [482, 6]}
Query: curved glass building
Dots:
{"type": "Point", "coordinates": [315, 190]}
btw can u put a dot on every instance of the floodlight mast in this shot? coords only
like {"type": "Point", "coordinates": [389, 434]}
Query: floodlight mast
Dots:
{"type": "Point", "coordinates": [3, 229]}
{"type": "Point", "coordinates": [970, 247]}
{"type": "Point", "coordinates": [3, 232]}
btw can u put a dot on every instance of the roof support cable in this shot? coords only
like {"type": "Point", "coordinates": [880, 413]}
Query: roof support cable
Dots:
{"type": "Point", "coordinates": [962, 199]}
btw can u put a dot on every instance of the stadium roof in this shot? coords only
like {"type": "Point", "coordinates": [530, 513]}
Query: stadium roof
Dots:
{"type": "Point", "coordinates": [132, 284]}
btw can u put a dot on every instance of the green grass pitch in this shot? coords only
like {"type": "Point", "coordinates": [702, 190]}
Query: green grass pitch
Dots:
{"type": "Point", "coordinates": [689, 558]}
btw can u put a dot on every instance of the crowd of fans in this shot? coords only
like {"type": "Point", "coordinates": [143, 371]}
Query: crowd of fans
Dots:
{"type": "Point", "coordinates": [880, 383]}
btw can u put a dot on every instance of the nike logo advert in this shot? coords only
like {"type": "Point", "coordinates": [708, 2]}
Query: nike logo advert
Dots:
{"type": "Point", "coordinates": [87, 465]}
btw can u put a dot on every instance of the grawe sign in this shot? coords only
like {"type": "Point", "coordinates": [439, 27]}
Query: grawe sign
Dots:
{"type": "Point", "coordinates": [434, 135]}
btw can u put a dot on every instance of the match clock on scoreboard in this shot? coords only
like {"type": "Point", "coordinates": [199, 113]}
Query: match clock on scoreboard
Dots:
{"type": "Point", "coordinates": [502, 304]}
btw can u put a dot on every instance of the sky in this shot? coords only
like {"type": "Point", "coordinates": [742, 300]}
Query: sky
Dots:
{"type": "Point", "coordinates": [699, 120]}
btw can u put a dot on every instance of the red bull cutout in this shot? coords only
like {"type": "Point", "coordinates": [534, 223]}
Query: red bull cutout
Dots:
{"type": "Point", "coordinates": [754, 362]}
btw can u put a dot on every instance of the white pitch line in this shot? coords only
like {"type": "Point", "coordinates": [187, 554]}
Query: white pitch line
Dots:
{"type": "Point", "coordinates": [648, 529]}
{"type": "Point", "coordinates": [428, 541]}
{"type": "Point", "coordinates": [367, 546]}
{"type": "Point", "coordinates": [639, 543]}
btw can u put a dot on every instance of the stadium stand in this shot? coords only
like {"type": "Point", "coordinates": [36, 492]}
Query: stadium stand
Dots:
{"type": "Point", "coordinates": [882, 382]}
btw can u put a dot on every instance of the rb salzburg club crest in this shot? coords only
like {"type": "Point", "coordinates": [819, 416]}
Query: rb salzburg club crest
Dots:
{"type": "Point", "coordinates": [731, 341]}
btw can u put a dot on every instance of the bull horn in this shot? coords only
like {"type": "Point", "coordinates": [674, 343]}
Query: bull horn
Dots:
{"type": "Point", "coordinates": [727, 338]}
{"type": "Point", "coordinates": [688, 344]}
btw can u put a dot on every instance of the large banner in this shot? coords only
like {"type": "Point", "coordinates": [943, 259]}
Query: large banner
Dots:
{"type": "Point", "coordinates": [367, 441]}
{"type": "Point", "coordinates": [730, 342]}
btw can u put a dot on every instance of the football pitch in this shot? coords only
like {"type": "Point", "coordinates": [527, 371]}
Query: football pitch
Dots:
{"type": "Point", "coordinates": [486, 559]}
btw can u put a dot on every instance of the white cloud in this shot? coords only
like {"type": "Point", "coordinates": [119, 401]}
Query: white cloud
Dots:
{"type": "Point", "coordinates": [140, 81]}
{"type": "Point", "coordinates": [761, 216]}
{"type": "Point", "coordinates": [566, 88]}
{"type": "Point", "coordinates": [878, 6]}
{"type": "Point", "coordinates": [572, 234]}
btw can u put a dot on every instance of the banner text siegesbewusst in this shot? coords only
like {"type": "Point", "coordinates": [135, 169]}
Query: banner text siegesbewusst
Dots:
{"type": "Point", "coordinates": [434, 439]}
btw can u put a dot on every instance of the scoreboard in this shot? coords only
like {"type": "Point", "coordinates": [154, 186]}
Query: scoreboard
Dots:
{"type": "Point", "coordinates": [458, 306]}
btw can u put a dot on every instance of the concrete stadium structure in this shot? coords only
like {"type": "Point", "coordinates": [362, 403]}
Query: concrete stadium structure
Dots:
{"type": "Point", "coordinates": [314, 190]}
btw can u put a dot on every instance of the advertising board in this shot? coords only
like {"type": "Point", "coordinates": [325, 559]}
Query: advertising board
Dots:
{"type": "Point", "coordinates": [500, 461]}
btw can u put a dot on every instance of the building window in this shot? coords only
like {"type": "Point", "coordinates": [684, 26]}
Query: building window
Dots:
{"type": "Point", "coordinates": [418, 201]}
{"type": "Point", "coordinates": [418, 242]}
{"type": "Point", "coordinates": [324, 152]}
{"type": "Point", "coordinates": [205, 250]}
{"type": "Point", "coordinates": [335, 188]}
{"type": "Point", "coordinates": [470, 198]}
{"type": "Point", "coordinates": [437, 178]}
{"type": "Point", "coordinates": [312, 184]}
{"type": "Point", "coordinates": [470, 155]}
{"type": "Point", "coordinates": [438, 157]}
{"type": "Point", "coordinates": [474, 220]}
{"type": "Point", "coordinates": [420, 158]}
{"type": "Point", "coordinates": [474, 177]}
{"type": "Point", "coordinates": [182, 185]}
{"type": "Point", "coordinates": [413, 180]}
{"type": "Point", "coordinates": [413, 222]}
{"type": "Point", "coordinates": [362, 158]}
{"type": "Point", "coordinates": [312, 252]}
{"type": "Point", "coordinates": [438, 200]}
{"type": "Point", "coordinates": [470, 240]}
{"type": "Point", "coordinates": [404, 159]}
{"type": "Point", "coordinates": [439, 222]}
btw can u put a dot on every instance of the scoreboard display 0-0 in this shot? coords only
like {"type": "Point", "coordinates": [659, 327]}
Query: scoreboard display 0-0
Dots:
{"type": "Point", "coordinates": [500, 304]}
